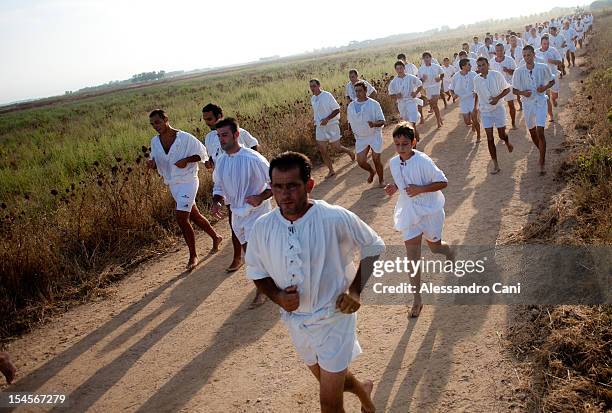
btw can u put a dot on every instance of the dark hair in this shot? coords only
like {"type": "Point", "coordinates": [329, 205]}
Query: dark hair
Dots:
{"type": "Point", "coordinates": [463, 62]}
{"type": "Point", "coordinates": [401, 56]}
{"type": "Point", "coordinates": [399, 63]}
{"type": "Point", "coordinates": [446, 58]}
{"type": "Point", "coordinates": [354, 71]}
{"type": "Point", "coordinates": [158, 112]}
{"type": "Point", "coordinates": [465, 44]}
{"type": "Point", "coordinates": [231, 122]}
{"type": "Point", "coordinates": [289, 160]}
{"type": "Point", "coordinates": [482, 59]}
{"type": "Point", "coordinates": [500, 44]}
{"type": "Point", "coordinates": [215, 109]}
{"type": "Point", "coordinates": [362, 84]}
{"type": "Point", "coordinates": [529, 47]}
{"type": "Point", "coordinates": [404, 129]}
{"type": "Point", "coordinates": [426, 54]}
{"type": "Point", "coordinates": [315, 80]}
{"type": "Point", "coordinates": [545, 37]}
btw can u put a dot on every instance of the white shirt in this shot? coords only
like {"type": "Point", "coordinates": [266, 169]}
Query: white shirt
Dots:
{"type": "Point", "coordinates": [239, 175]}
{"type": "Point", "coordinates": [534, 40]}
{"type": "Point", "coordinates": [427, 74]}
{"type": "Point", "coordinates": [569, 34]}
{"type": "Point", "coordinates": [516, 53]}
{"type": "Point", "coordinates": [486, 51]}
{"type": "Point", "coordinates": [551, 53]}
{"type": "Point", "coordinates": [508, 63]}
{"type": "Point", "coordinates": [322, 106]}
{"type": "Point", "coordinates": [314, 253]}
{"type": "Point", "coordinates": [359, 113]}
{"type": "Point", "coordinates": [558, 42]}
{"type": "Point", "coordinates": [411, 69]}
{"type": "Point", "coordinates": [524, 79]}
{"type": "Point", "coordinates": [213, 145]}
{"type": "Point", "coordinates": [449, 71]}
{"type": "Point", "coordinates": [492, 86]}
{"type": "Point", "coordinates": [184, 145]}
{"type": "Point", "coordinates": [475, 46]}
{"type": "Point", "coordinates": [349, 89]}
{"type": "Point", "coordinates": [404, 86]}
{"type": "Point", "coordinates": [419, 169]}
{"type": "Point", "coordinates": [463, 85]}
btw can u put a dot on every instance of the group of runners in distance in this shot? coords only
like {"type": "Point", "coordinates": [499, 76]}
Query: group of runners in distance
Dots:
{"type": "Point", "coordinates": [299, 254]}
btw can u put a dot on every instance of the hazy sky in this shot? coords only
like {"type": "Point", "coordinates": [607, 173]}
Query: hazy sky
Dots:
{"type": "Point", "coordinates": [48, 47]}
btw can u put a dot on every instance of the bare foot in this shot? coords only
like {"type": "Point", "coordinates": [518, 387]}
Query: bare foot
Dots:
{"type": "Point", "coordinates": [542, 171]}
{"type": "Point", "coordinates": [452, 254]}
{"type": "Point", "coordinates": [193, 263]}
{"type": "Point", "coordinates": [510, 146]}
{"type": "Point", "coordinates": [513, 127]}
{"type": "Point", "coordinates": [330, 174]}
{"type": "Point", "coordinates": [551, 120]}
{"type": "Point", "coordinates": [371, 177]}
{"type": "Point", "coordinates": [258, 300]}
{"type": "Point", "coordinates": [7, 367]}
{"type": "Point", "coordinates": [216, 243]}
{"type": "Point", "coordinates": [367, 406]}
{"type": "Point", "coordinates": [235, 265]}
{"type": "Point", "coordinates": [495, 170]}
{"type": "Point", "coordinates": [415, 311]}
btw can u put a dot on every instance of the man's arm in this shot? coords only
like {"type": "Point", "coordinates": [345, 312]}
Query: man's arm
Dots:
{"type": "Point", "coordinates": [256, 200]}
{"type": "Point", "coordinates": [288, 299]}
{"type": "Point", "coordinates": [185, 161]}
{"type": "Point", "coordinates": [414, 190]}
{"type": "Point", "coordinates": [332, 115]}
{"type": "Point", "coordinates": [349, 303]}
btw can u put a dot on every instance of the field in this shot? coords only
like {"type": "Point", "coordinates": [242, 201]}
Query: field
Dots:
{"type": "Point", "coordinates": [78, 207]}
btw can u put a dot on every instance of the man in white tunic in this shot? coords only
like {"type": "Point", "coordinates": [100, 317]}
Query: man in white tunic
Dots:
{"type": "Point", "coordinates": [553, 59]}
{"type": "Point", "coordinates": [558, 42]}
{"type": "Point", "coordinates": [476, 45]}
{"type": "Point", "coordinates": [488, 49]}
{"type": "Point", "coordinates": [463, 55]}
{"type": "Point", "coordinates": [367, 119]}
{"type": "Point", "coordinates": [419, 211]}
{"type": "Point", "coordinates": [211, 114]}
{"type": "Point", "coordinates": [326, 112]}
{"type": "Point", "coordinates": [462, 86]}
{"type": "Point", "coordinates": [301, 256]}
{"type": "Point", "coordinates": [531, 81]}
{"type": "Point", "coordinates": [505, 65]}
{"type": "Point", "coordinates": [449, 71]}
{"type": "Point", "coordinates": [175, 154]}
{"type": "Point", "coordinates": [570, 38]}
{"type": "Point", "coordinates": [404, 88]}
{"type": "Point", "coordinates": [241, 180]}
{"type": "Point", "coordinates": [533, 38]}
{"type": "Point", "coordinates": [491, 87]}
{"type": "Point", "coordinates": [411, 69]}
{"type": "Point", "coordinates": [349, 90]}
{"type": "Point", "coordinates": [431, 75]}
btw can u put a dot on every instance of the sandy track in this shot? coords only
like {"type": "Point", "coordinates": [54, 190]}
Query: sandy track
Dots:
{"type": "Point", "coordinates": [164, 342]}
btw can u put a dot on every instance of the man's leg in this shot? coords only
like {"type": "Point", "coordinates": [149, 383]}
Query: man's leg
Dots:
{"type": "Point", "coordinates": [379, 168]}
{"type": "Point", "coordinates": [322, 146]}
{"type": "Point", "coordinates": [347, 382]}
{"type": "Point", "coordinates": [336, 145]}
{"type": "Point", "coordinates": [362, 161]}
{"type": "Point", "coordinates": [542, 148]}
{"type": "Point", "coordinates": [417, 136]}
{"type": "Point", "coordinates": [433, 102]}
{"type": "Point", "coordinates": [492, 150]}
{"type": "Point", "coordinates": [567, 56]}
{"type": "Point", "coordinates": [236, 245]}
{"type": "Point", "coordinates": [512, 113]}
{"type": "Point", "coordinates": [441, 247]}
{"type": "Point", "coordinates": [549, 106]}
{"type": "Point", "coordinates": [475, 124]}
{"type": "Point", "coordinates": [573, 58]}
{"type": "Point", "coordinates": [260, 297]}
{"type": "Point", "coordinates": [203, 223]}
{"type": "Point", "coordinates": [518, 99]}
{"type": "Point", "coordinates": [413, 252]}
{"type": "Point", "coordinates": [501, 132]}
{"type": "Point", "coordinates": [443, 96]}
{"type": "Point", "coordinates": [182, 218]}
{"type": "Point", "coordinates": [420, 109]}
{"type": "Point", "coordinates": [467, 119]}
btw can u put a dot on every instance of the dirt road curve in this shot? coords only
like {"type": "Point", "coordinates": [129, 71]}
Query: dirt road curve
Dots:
{"type": "Point", "coordinates": [169, 343]}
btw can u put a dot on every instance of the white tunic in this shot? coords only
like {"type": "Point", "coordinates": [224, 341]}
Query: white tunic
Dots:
{"type": "Point", "coordinates": [411, 69]}
{"type": "Point", "coordinates": [463, 85]}
{"type": "Point", "coordinates": [516, 53]}
{"type": "Point", "coordinates": [359, 113]}
{"type": "Point", "coordinates": [213, 145]}
{"type": "Point", "coordinates": [419, 169]}
{"type": "Point", "coordinates": [322, 106]}
{"type": "Point", "coordinates": [507, 63]}
{"type": "Point", "coordinates": [349, 89]}
{"type": "Point", "coordinates": [552, 54]}
{"type": "Point", "coordinates": [239, 175]}
{"type": "Point", "coordinates": [449, 71]}
{"type": "Point", "coordinates": [427, 74]}
{"type": "Point", "coordinates": [184, 145]}
{"type": "Point", "coordinates": [486, 51]}
{"type": "Point", "coordinates": [314, 253]}
{"type": "Point", "coordinates": [492, 86]}
{"type": "Point", "coordinates": [525, 79]}
{"type": "Point", "coordinates": [405, 86]}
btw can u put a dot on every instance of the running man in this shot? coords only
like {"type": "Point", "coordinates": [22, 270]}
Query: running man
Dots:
{"type": "Point", "coordinates": [419, 210]}
{"type": "Point", "coordinates": [404, 89]}
{"type": "Point", "coordinates": [211, 114]}
{"type": "Point", "coordinates": [367, 119]}
{"type": "Point", "coordinates": [487, 50]}
{"type": "Point", "coordinates": [326, 112]}
{"type": "Point", "coordinates": [531, 81]}
{"type": "Point", "coordinates": [553, 59]}
{"type": "Point", "coordinates": [570, 38]}
{"type": "Point", "coordinates": [350, 86]}
{"type": "Point", "coordinates": [473, 64]}
{"type": "Point", "coordinates": [240, 180]}
{"type": "Point", "coordinates": [462, 86]}
{"type": "Point", "coordinates": [301, 257]}
{"type": "Point", "coordinates": [175, 154]}
{"type": "Point", "coordinates": [505, 65]}
{"type": "Point", "coordinates": [449, 71]}
{"type": "Point", "coordinates": [476, 46]}
{"type": "Point", "coordinates": [558, 42]}
{"type": "Point", "coordinates": [411, 69]}
{"type": "Point", "coordinates": [431, 75]}
{"type": "Point", "coordinates": [490, 87]}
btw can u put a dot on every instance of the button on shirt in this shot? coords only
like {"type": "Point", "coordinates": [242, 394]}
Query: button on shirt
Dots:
{"type": "Point", "coordinates": [184, 146]}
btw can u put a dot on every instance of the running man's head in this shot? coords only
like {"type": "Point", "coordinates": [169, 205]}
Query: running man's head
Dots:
{"type": "Point", "coordinates": [404, 139]}
{"type": "Point", "coordinates": [532, 32]}
{"type": "Point", "coordinates": [465, 47]}
{"type": "Point", "coordinates": [426, 58]}
{"type": "Point", "coordinates": [211, 114]}
{"type": "Point", "coordinates": [465, 65]}
{"type": "Point", "coordinates": [513, 40]}
{"type": "Point", "coordinates": [315, 86]}
{"type": "Point", "coordinates": [475, 39]}
{"type": "Point", "coordinates": [528, 54]}
{"type": "Point", "coordinates": [353, 76]}
{"type": "Point", "coordinates": [553, 30]}
{"type": "Point", "coordinates": [159, 120]}
{"type": "Point", "coordinates": [446, 62]}
{"type": "Point", "coordinates": [483, 65]}
{"type": "Point", "coordinates": [401, 57]}
{"type": "Point", "coordinates": [361, 90]}
{"type": "Point", "coordinates": [400, 68]}
{"type": "Point", "coordinates": [291, 183]}
{"type": "Point", "coordinates": [500, 50]}
{"type": "Point", "coordinates": [544, 43]}
{"type": "Point", "coordinates": [488, 40]}
{"type": "Point", "coordinates": [455, 55]}
{"type": "Point", "coordinates": [227, 130]}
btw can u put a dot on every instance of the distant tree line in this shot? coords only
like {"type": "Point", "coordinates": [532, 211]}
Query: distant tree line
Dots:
{"type": "Point", "coordinates": [147, 76]}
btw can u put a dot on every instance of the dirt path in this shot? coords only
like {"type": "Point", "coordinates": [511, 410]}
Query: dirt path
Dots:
{"type": "Point", "coordinates": [169, 343]}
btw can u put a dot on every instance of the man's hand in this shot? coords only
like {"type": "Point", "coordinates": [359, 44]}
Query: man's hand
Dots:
{"type": "Point", "coordinates": [208, 164]}
{"type": "Point", "coordinates": [437, 78]}
{"type": "Point", "coordinates": [526, 93]}
{"type": "Point", "coordinates": [413, 190]}
{"type": "Point", "coordinates": [424, 78]}
{"type": "Point", "coordinates": [414, 94]}
{"type": "Point", "coordinates": [324, 121]}
{"type": "Point", "coordinates": [289, 298]}
{"type": "Point", "coordinates": [215, 210]}
{"type": "Point", "coordinates": [541, 89]}
{"type": "Point", "coordinates": [151, 164]}
{"type": "Point", "coordinates": [253, 200]}
{"type": "Point", "coordinates": [348, 303]}
{"type": "Point", "coordinates": [371, 124]}
{"type": "Point", "coordinates": [182, 163]}
{"type": "Point", "coordinates": [390, 189]}
{"type": "Point", "coordinates": [493, 101]}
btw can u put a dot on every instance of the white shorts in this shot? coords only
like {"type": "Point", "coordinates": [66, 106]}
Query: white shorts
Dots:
{"type": "Point", "coordinates": [328, 339]}
{"type": "Point", "coordinates": [409, 111]}
{"type": "Point", "coordinates": [430, 226]}
{"type": "Point", "coordinates": [242, 224]}
{"type": "Point", "coordinates": [446, 83]}
{"type": "Point", "coordinates": [329, 132]}
{"type": "Point", "coordinates": [375, 142]}
{"type": "Point", "coordinates": [509, 97]}
{"type": "Point", "coordinates": [571, 47]}
{"type": "Point", "coordinates": [496, 118]}
{"type": "Point", "coordinates": [433, 90]}
{"type": "Point", "coordinates": [466, 104]}
{"type": "Point", "coordinates": [535, 115]}
{"type": "Point", "coordinates": [557, 86]}
{"type": "Point", "coordinates": [185, 195]}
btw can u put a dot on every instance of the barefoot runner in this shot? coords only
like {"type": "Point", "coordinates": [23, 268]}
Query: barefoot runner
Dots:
{"type": "Point", "coordinates": [462, 86]}
{"type": "Point", "coordinates": [404, 88]}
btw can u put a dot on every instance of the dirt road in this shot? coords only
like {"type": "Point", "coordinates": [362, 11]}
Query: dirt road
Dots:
{"type": "Point", "coordinates": [164, 342]}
